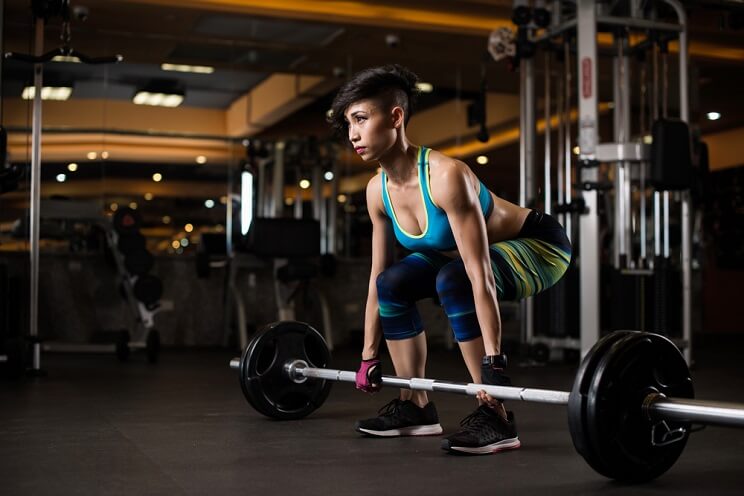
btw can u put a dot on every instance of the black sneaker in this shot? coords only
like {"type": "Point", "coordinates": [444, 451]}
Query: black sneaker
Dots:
{"type": "Point", "coordinates": [402, 418]}
{"type": "Point", "coordinates": [483, 432]}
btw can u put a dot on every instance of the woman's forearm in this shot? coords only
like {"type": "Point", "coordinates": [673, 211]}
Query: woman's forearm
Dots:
{"type": "Point", "coordinates": [489, 317]}
{"type": "Point", "coordinates": [372, 327]}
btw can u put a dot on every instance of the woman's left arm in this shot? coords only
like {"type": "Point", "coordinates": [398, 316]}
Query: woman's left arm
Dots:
{"type": "Point", "coordinates": [456, 195]}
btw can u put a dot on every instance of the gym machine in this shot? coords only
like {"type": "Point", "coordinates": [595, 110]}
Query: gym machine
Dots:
{"type": "Point", "coordinates": [606, 171]}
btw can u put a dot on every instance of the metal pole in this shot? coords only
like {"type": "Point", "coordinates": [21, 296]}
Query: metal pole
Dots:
{"type": "Point", "coordinates": [277, 181]}
{"type": "Point", "coordinates": [318, 210]}
{"type": "Point", "coordinates": [560, 158]}
{"type": "Point", "coordinates": [618, 238]}
{"type": "Point", "coordinates": [567, 137]}
{"type": "Point", "coordinates": [527, 167]}
{"type": "Point", "coordinates": [547, 164]}
{"type": "Point", "coordinates": [35, 210]}
{"type": "Point", "coordinates": [686, 231]}
{"type": "Point", "coordinates": [589, 246]}
{"type": "Point", "coordinates": [333, 210]}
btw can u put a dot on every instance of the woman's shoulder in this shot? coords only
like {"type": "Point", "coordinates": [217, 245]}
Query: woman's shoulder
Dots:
{"type": "Point", "coordinates": [445, 168]}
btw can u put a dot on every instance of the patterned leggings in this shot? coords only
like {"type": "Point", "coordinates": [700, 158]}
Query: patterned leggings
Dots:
{"type": "Point", "coordinates": [524, 266]}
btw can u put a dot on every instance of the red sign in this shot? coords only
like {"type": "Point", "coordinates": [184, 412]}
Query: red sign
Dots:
{"type": "Point", "coordinates": [586, 77]}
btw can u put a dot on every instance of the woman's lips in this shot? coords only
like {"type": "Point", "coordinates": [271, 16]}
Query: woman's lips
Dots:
{"type": "Point", "coordinates": [360, 149]}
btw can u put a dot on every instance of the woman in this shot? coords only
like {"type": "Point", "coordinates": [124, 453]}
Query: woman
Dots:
{"type": "Point", "coordinates": [469, 248]}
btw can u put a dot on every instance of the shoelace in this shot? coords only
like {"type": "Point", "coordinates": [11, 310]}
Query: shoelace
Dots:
{"type": "Point", "coordinates": [390, 409]}
{"type": "Point", "coordinates": [474, 420]}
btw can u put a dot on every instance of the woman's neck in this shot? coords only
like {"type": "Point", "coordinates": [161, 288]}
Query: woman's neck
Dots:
{"type": "Point", "coordinates": [399, 163]}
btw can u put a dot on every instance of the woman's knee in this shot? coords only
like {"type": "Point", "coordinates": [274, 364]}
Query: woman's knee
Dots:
{"type": "Point", "coordinates": [452, 279]}
{"type": "Point", "coordinates": [390, 283]}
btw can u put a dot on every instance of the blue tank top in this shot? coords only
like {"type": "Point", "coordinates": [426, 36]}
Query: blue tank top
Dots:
{"type": "Point", "coordinates": [437, 234]}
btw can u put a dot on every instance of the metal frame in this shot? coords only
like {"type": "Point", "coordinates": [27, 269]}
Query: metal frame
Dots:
{"type": "Point", "coordinates": [623, 152]}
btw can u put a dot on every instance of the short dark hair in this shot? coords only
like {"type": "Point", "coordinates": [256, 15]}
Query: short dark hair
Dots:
{"type": "Point", "coordinates": [395, 84]}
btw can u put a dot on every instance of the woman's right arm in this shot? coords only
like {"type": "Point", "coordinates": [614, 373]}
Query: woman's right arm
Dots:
{"type": "Point", "coordinates": [382, 257]}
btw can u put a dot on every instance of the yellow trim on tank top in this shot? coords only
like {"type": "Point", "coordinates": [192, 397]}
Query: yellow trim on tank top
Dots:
{"type": "Point", "coordinates": [423, 199]}
{"type": "Point", "coordinates": [428, 177]}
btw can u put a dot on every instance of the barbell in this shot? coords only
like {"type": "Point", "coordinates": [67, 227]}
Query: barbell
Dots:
{"type": "Point", "coordinates": [630, 411]}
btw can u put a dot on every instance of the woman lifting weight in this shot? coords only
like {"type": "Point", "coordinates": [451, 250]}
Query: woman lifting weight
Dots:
{"type": "Point", "coordinates": [469, 248]}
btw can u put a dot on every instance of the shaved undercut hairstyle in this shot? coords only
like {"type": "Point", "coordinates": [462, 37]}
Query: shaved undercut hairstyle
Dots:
{"type": "Point", "coordinates": [392, 85]}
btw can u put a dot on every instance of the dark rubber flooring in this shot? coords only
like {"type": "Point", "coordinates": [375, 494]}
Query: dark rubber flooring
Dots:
{"type": "Point", "coordinates": [96, 426]}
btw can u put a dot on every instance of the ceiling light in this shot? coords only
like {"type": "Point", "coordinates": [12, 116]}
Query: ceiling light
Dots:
{"type": "Point", "coordinates": [648, 139]}
{"type": "Point", "coordinates": [304, 184]}
{"type": "Point", "coordinates": [48, 92]}
{"type": "Point", "coordinates": [197, 69]}
{"type": "Point", "coordinates": [425, 87]}
{"type": "Point", "coordinates": [157, 177]}
{"type": "Point", "coordinates": [148, 196]}
{"type": "Point", "coordinates": [341, 198]}
{"type": "Point", "coordinates": [166, 219]}
{"type": "Point", "coordinates": [328, 176]}
{"type": "Point", "coordinates": [104, 155]}
{"type": "Point", "coordinates": [61, 178]}
{"type": "Point", "coordinates": [209, 203]}
{"type": "Point", "coordinates": [66, 58]}
{"type": "Point", "coordinates": [133, 205]}
{"type": "Point", "coordinates": [72, 167]}
{"type": "Point", "coordinates": [114, 207]}
{"type": "Point", "coordinates": [201, 159]}
{"type": "Point", "coordinates": [713, 116]}
{"type": "Point", "coordinates": [482, 159]}
{"type": "Point", "coordinates": [184, 242]}
{"type": "Point", "coordinates": [92, 155]}
{"type": "Point", "coordinates": [175, 244]}
{"type": "Point", "coordinates": [158, 99]}
{"type": "Point", "coordinates": [289, 201]}
{"type": "Point", "coordinates": [223, 200]}
{"type": "Point", "coordinates": [188, 228]}
{"type": "Point", "coordinates": [576, 150]}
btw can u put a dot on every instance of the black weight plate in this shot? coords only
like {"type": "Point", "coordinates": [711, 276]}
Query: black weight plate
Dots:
{"type": "Point", "coordinates": [127, 220]}
{"type": "Point", "coordinates": [615, 436]}
{"type": "Point", "coordinates": [139, 262]}
{"type": "Point", "coordinates": [265, 383]}
{"type": "Point", "coordinates": [621, 433]}
{"type": "Point", "coordinates": [148, 289]}
{"type": "Point", "coordinates": [577, 421]}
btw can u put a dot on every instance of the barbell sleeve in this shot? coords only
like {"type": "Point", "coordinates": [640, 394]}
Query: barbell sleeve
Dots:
{"type": "Point", "coordinates": [695, 411]}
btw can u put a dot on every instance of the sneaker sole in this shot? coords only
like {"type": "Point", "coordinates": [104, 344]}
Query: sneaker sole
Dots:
{"type": "Point", "coordinates": [506, 444]}
{"type": "Point", "coordinates": [416, 430]}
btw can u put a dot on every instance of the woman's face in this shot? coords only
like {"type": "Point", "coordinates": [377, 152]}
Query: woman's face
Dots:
{"type": "Point", "coordinates": [372, 131]}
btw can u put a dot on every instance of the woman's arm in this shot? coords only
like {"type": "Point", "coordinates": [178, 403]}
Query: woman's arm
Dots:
{"type": "Point", "coordinates": [457, 196]}
{"type": "Point", "coordinates": [382, 257]}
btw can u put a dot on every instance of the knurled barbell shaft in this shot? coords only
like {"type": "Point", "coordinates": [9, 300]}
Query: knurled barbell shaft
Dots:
{"type": "Point", "coordinates": [420, 384]}
{"type": "Point", "coordinates": [657, 406]}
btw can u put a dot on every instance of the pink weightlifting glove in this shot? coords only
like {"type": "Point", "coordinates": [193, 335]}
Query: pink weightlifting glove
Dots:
{"type": "Point", "coordinates": [369, 376]}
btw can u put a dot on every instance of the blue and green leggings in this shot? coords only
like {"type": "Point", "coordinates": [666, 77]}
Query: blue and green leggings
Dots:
{"type": "Point", "coordinates": [532, 262]}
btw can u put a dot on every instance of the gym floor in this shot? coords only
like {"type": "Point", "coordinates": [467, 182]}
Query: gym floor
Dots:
{"type": "Point", "coordinates": [96, 426]}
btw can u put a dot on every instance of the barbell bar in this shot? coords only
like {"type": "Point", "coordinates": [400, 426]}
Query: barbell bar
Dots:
{"type": "Point", "coordinates": [630, 410]}
{"type": "Point", "coordinates": [656, 406]}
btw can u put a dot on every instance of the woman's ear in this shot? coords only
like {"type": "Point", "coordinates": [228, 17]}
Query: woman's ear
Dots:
{"type": "Point", "coordinates": [397, 116]}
